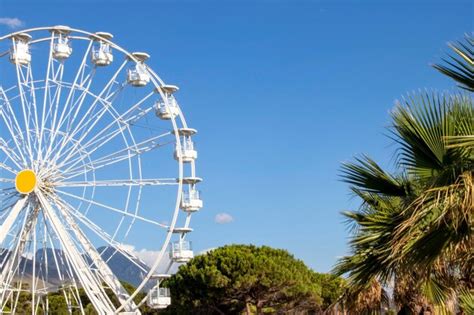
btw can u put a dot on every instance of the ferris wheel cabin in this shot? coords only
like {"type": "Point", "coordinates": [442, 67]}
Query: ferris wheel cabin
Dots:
{"type": "Point", "coordinates": [181, 251]}
{"type": "Point", "coordinates": [167, 108]}
{"type": "Point", "coordinates": [191, 200]}
{"type": "Point", "coordinates": [61, 46]}
{"type": "Point", "coordinates": [101, 54]}
{"type": "Point", "coordinates": [158, 297]}
{"type": "Point", "coordinates": [186, 151]}
{"type": "Point", "coordinates": [138, 74]}
{"type": "Point", "coordinates": [20, 50]}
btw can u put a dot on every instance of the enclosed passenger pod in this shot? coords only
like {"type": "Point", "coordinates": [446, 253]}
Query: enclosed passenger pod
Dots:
{"type": "Point", "coordinates": [158, 297]}
{"type": "Point", "coordinates": [167, 108]}
{"type": "Point", "coordinates": [101, 54]}
{"type": "Point", "coordinates": [61, 43]}
{"type": "Point", "coordinates": [191, 200]}
{"type": "Point", "coordinates": [138, 74]}
{"type": "Point", "coordinates": [181, 251]}
{"type": "Point", "coordinates": [186, 150]}
{"type": "Point", "coordinates": [20, 50]}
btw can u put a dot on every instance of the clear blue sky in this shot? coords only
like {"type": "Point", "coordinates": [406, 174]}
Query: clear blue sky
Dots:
{"type": "Point", "coordinates": [281, 93]}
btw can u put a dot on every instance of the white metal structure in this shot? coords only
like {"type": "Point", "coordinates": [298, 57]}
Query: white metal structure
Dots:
{"type": "Point", "coordinates": [85, 162]}
{"type": "Point", "coordinates": [101, 54]}
{"type": "Point", "coordinates": [62, 47]}
{"type": "Point", "coordinates": [170, 109]}
{"type": "Point", "coordinates": [20, 49]}
{"type": "Point", "coordinates": [181, 251]}
{"type": "Point", "coordinates": [191, 201]}
{"type": "Point", "coordinates": [138, 74]}
{"type": "Point", "coordinates": [159, 297]}
{"type": "Point", "coordinates": [186, 151]}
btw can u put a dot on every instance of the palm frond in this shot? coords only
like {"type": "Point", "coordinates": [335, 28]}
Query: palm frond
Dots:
{"type": "Point", "coordinates": [461, 141]}
{"type": "Point", "coordinates": [421, 127]}
{"type": "Point", "coordinates": [435, 291]}
{"type": "Point", "coordinates": [367, 176]}
{"type": "Point", "coordinates": [436, 222]}
{"type": "Point", "coordinates": [466, 301]}
{"type": "Point", "coordinates": [374, 227]}
{"type": "Point", "coordinates": [460, 66]}
{"type": "Point", "coordinates": [418, 127]}
{"type": "Point", "coordinates": [365, 299]}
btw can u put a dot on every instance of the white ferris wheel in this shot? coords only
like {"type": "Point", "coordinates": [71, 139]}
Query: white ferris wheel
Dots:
{"type": "Point", "coordinates": [95, 158]}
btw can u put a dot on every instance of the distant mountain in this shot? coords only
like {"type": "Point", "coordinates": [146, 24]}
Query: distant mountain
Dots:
{"type": "Point", "coordinates": [120, 265]}
{"type": "Point", "coordinates": [56, 263]}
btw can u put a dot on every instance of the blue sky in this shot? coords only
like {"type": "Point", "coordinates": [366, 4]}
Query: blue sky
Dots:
{"type": "Point", "coordinates": [281, 93]}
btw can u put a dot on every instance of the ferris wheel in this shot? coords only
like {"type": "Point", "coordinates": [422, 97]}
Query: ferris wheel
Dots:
{"type": "Point", "coordinates": [96, 162]}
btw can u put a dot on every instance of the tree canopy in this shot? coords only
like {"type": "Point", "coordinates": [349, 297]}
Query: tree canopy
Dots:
{"type": "Point", "coordinates": [229, 280]}
{"type": "Point", "coordinates": [237, 278]}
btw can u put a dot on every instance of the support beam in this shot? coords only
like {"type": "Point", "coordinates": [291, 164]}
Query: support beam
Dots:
{"type": "Point", "coordinates": [88, 280]}
{"type": "Point", "coordinates": [7, 224]}
{"type": "Point", "coordinates": [11, 265]}
{"type": "Point", "coordinates": [104, 270]}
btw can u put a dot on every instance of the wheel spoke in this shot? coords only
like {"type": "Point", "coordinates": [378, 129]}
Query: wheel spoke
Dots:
{"type": "Point", "coordinates": [122, 212]}
{"type": "Point", "coordinates": [11, 265]}
{"type": "Point", "coordinates": [120, 183]}
{"type": "Point", "coordinates": [26, 80]}
{"type": "Point", "coordinates": [8, 168]}
{"type": "Point", "coordinates": [105, 271]}
{"type": "Point", "coordinates": [88, 280]}
{"type": "Point", "coordinates": [104, 94]}
{"type": "Point", "coordinates": [103, 136]}
{"type": "Point", "coordinates": [103, 235]}
{"type": "Point", "coordinates": [9, 118]}
{"type": "Point", "coordinates": [81, 83]}
{"type": "Point", "coordinates": [115, 157]}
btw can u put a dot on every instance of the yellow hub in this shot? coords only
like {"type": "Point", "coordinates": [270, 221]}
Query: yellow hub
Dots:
{"type": "Point", "coordinates": [25, 181]}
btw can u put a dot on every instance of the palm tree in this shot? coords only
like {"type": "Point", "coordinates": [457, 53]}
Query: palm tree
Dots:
{"type": "Point", "coordinates": [414, 226]}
